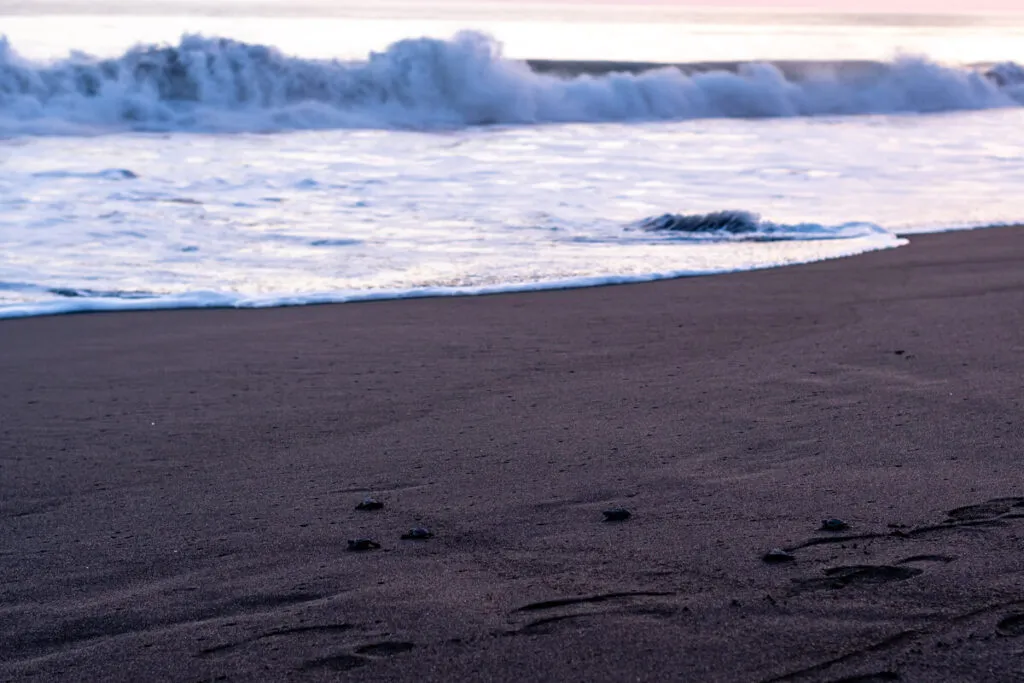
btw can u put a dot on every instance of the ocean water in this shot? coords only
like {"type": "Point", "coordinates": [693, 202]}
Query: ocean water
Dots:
{"type": "Point", "coordinates": [210, 155]}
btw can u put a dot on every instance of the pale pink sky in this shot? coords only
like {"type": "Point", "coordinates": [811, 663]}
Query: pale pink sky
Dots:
{"type": "Point", "coordinates": [930, 6]}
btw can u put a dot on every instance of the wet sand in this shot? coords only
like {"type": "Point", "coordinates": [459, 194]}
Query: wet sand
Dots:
{"type": "Point", "coordinates": [178, 487]}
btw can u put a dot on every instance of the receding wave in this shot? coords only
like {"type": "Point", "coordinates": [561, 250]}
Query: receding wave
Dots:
{"type": "Point", "coordinates": [222, 85]}
{"type": "Point", "coordinates": [749, 227]}
{"type": "Point", "coordinates": [22, 299]}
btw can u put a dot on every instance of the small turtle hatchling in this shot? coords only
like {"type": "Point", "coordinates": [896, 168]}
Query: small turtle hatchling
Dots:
{"type": "Point", "coordinates": [417, 534]}
{"type": "Point", "coordinates": [361, 544]}
{"type": "Point", "coordinates": [777, 556]}
{"type": "Point", "coordinates": [370, 504]}
{"type": "Point", "coordinates": [617, 515]}
{"type": "Point", "coordinates": [834, 524]}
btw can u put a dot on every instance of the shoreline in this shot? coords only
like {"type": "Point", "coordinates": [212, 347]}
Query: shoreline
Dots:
{"type": "Point", "coordinates": [118, 305]}
{"type": "Point", "coordinates": [179, 485]}
{"type": "Point", "coordinates": [191, 301]}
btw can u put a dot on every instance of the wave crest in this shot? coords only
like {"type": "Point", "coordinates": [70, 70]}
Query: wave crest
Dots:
{"type": "Point", "coordinates": [217, 84]}
{"type": "Point", "coordinates": [749, 227]}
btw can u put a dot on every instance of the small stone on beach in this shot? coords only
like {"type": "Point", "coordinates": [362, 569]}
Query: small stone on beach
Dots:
{"type": "Point", "coordinates": [370, 504]}
{"type": "Point", "coordinates": [361, 544]}
{"type": "Point", "coordinates": [777, 556]}
{"type": "Point", "coordinates": [617, 515]}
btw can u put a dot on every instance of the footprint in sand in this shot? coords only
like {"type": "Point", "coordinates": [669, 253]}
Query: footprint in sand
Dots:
{"type": "Point", "coordinates": [364, 655]}
{"type": "Point", "coordinates": [623, 603]}
{"type": "Point", "coordinates": [870, 678]}
{"type": "Point", "coordinates": [858, 575]}
{"type": "Point", "coordinates": [342, 662]}
{"type": "Point", "coordinates": [589, 599]}
{"type": "Point", "coordinates": [306, 631]}
{"type": "Point", "coordinates": [386, 649]}
{"type": "Point", "coordinates": [1012, 626]}
{"type": "Point", "coordinates": [927, 558]}
{"type": "Point", "coordinates": [996, 512]}
{"type": "Point", "coordinates": [988, 510]}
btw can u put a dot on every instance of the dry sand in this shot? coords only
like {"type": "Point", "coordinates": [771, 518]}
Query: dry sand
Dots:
{"type": "Point", "coordinates": [178, 487]}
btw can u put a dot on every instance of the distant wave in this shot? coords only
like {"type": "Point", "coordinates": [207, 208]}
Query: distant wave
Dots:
{"type": "Point", "coordinates": [221, 85]}
{"type": "Point", "coordinates": [749, 227]}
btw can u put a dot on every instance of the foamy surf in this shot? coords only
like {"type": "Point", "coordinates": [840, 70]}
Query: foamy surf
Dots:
{"type": "Point", "coordinates": [221, 85]}
{"type": "Point", "coordinates": [616, 262]}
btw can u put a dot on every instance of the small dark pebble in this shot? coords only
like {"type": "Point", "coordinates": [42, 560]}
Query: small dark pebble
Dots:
{"type": "Point", "coordinates": [617, 515]}
{"type": "Point", "coordinates": [360, 544]}
{"type": "Point", "coordinates": [370, 504]}
{"type": "Point", "coordinates": [777, 556]}
{"type": "Point", "coordinates": [834, 525]}
{"type": "Point", "coordinates": [417, 534]}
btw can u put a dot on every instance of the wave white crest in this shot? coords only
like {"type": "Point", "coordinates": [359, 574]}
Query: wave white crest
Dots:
{"type": "Point", "coordinates": [744, 226]}
{"type": "Point", "coordinates": [215, 84]}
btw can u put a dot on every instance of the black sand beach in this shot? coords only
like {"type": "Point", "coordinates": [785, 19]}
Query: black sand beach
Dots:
{"type": "Point", "coordinates": [178, 487]}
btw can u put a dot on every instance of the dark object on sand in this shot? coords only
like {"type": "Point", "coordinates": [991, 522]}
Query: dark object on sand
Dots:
{"type": "Point", "coordinates": [417, 534]}
{"type": "Point", "coordinates": [361, 544]}
{"type": "Point", "coordinates": [834, 524]}
{"type": "Point", "coordinates": [1012, 625]}
{"type": "Point", "coordinates": [778, 556]}
{"type": "Point", "coordinates": [370, 504]}
{"type": "Point", "coordinates": [617, 515]}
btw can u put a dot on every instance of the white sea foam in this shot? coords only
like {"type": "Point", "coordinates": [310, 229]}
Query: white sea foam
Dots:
{"type": "Point", "coordinates": [221, 85]}
{"type": "Point", "coordinates": [88, 302]}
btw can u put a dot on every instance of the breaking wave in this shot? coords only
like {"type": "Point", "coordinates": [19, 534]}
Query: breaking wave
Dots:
{"type": "Point", "coordinates": [221, 85]}
{"type": "Point", "coordinates": [744, 226]}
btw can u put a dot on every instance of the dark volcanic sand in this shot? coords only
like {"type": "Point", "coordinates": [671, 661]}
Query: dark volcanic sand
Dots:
{"type": "Point", "coordinates": [178, 487]}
